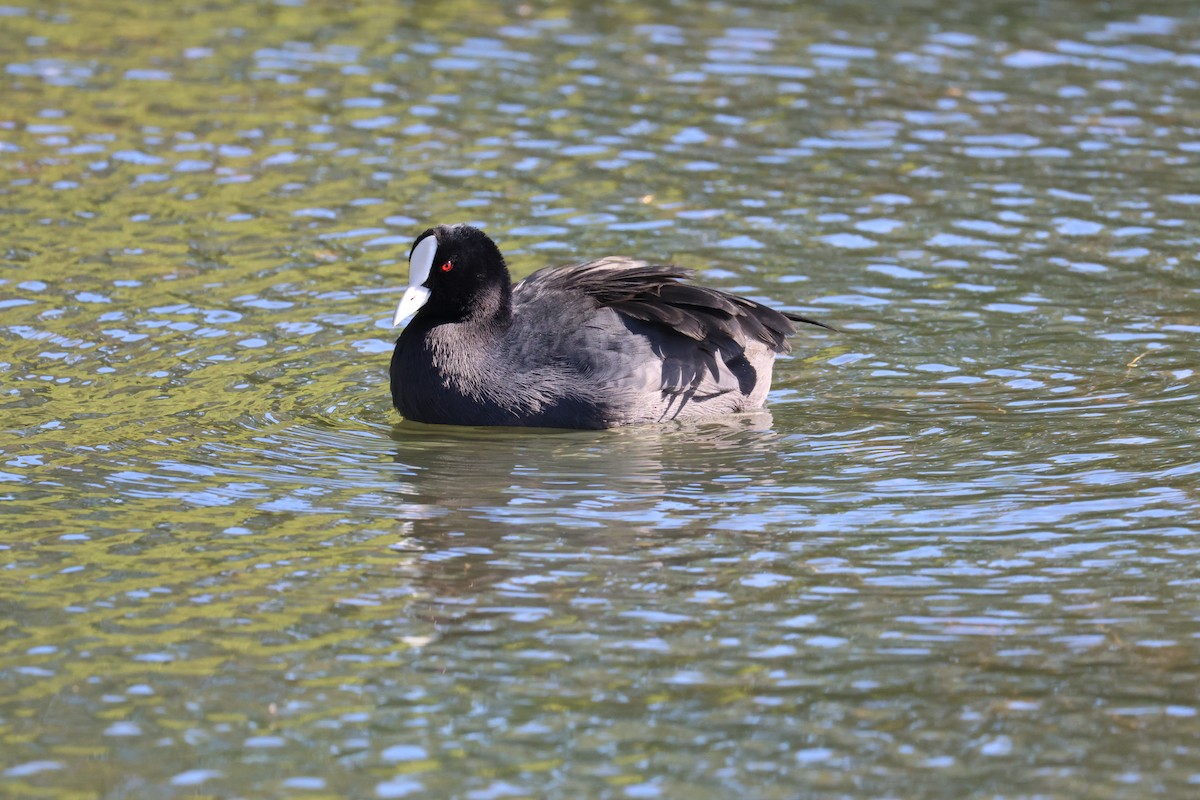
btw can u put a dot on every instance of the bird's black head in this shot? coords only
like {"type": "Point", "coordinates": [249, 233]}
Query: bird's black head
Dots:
{"type": "Point", "coordinates": [456, 273]}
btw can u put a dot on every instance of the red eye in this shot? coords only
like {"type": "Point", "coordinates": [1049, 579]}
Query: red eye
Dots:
{"type": "Point", "coordinates": [449, 265]}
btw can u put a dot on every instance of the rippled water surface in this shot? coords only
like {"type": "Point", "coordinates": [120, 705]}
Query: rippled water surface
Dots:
{"type": "Point", "coordinates": [957, 558]}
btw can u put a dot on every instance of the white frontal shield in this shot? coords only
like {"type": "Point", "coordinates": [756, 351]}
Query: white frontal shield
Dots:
{"type": "Point", "coordinates": [419, 265]}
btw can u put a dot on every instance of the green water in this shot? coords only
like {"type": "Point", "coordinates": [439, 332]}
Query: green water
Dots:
{"type": "Point", "coordinates": [956, 558]}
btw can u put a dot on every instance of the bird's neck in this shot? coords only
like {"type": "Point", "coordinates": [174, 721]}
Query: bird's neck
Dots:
{"type": "Point", "coordinates": [491, 308]}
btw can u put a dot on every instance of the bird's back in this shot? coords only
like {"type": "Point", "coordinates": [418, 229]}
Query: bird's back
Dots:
{"type": "Point", "coordinates": [641, 345]}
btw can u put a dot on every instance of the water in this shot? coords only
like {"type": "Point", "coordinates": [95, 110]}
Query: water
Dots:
{"type": "Point", "coordinates": [956, 558]}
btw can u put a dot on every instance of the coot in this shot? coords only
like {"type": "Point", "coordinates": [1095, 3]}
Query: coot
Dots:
{"type": "Point", "coordinates": [610, 342]}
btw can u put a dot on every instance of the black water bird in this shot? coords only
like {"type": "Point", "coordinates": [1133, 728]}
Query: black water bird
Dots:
{"type": "Point", "coordinates": [610, 342]}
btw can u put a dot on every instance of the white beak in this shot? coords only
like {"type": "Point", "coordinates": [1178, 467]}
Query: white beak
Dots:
{"type": "Point", "coordinates": [411, 303]}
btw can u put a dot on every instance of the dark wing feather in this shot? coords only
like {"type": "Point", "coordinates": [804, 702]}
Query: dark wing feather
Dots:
{"type": "Point", "coordinates": [685, 294]}
{"type": "Point", "coordinates": [681, 320]}
{"type": "Point", "coordinates": [807, 321]}
{"type": "Point", "coordinates": [608, 280]}
{"type": "Point", "coordinates": [653, 293]}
